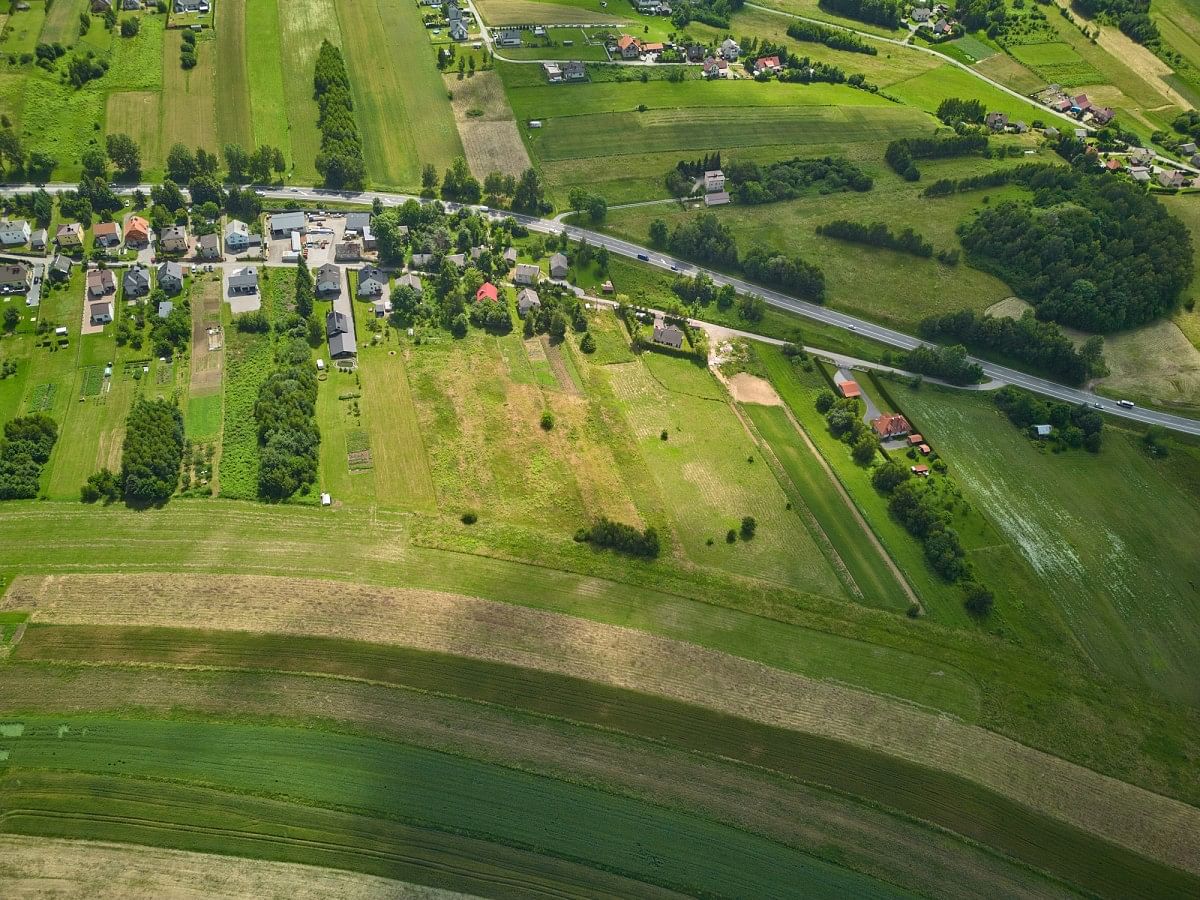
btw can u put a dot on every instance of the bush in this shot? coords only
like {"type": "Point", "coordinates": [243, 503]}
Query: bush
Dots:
{"type": "Point", "coordinates": [749, 526]}
{"type": "Point", "coordinates": [103, 484]}
{"type": "Point", "coordinates": [469, 518]}
{"type": "Point", "coordinates": [977, 598]}
{"type": "Point", "coordinates": [588, 344]}
{"type": "Point", "coordinates": [547, 420]}
{"type": "Point", "coordinates": [255, 322]}
{"type": "Point", "coordinates": [731, 536]}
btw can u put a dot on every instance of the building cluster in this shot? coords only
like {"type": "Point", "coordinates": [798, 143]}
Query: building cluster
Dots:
{"type": "Point", "coordinates": [1079, 106]}
{"type": "Point", "coordinates": [937, 19]}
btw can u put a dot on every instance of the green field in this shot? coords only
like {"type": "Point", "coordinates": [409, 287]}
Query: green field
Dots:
{"type": "Point", "coordinates": [927, 90]}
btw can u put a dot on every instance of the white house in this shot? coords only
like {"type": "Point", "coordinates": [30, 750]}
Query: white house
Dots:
{"type": "Point", "coordinates": [14, 234]}
{"type": "Point", "coordinates": [714, 181]}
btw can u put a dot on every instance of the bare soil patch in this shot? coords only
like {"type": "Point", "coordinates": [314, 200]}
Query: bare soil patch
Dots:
{"type": "Point", "coordinates": [747, 388]}
{"type": "Point", "coordinates": [33, 867]}
{"type": "Point", "coordinates": [1158, 827]}
{"type": "Point", "coordinates": [208, 355]}
{"type": "Point", "coordinates": [486, 125]}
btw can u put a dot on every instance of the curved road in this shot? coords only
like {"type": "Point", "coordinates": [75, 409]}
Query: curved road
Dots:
{"type": "Point", "coordinates": [889, 336]}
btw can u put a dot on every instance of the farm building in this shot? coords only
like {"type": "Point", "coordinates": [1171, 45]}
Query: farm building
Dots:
{"type": "Point", "coordinates": [849, 388]}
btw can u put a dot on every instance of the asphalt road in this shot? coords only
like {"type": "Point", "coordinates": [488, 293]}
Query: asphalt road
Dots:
{"type": "Point", "coordinates": [813, 311]}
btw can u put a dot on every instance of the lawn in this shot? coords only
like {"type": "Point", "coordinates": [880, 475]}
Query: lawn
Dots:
{"type": "Point", "coordinates": [189, 103]}
{"type": "Point", "coordinates": [302, 27]}
{"type": "Point", "coordinates": [400, 102]}
{"type": "Point", "coordinates": [929, 89]}
{"type": "Point", "coordinates": [24, 27]}
{"type": "Point", "coordinates": [270, 112]}
{"type": "Point", "coordinates": [202, 417]}
{"type": "Point", "coordinates": [1122, 583]}
{"type": "Point", "coordinates": [139, 114]}
{"type": "Point", "coordinates": [235, 121]}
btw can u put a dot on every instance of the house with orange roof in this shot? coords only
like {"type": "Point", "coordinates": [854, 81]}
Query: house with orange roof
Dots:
{"type": "Point", "coordinates": [890, 425]}
{"type": "Point", "coordinates": [137, 231]}
{"type": "Point", "coordinates": [849, 388]}
{"type": "Point", "coordinates": [487, 291]}
{"type": "Point", "coordinates": [629, 46]}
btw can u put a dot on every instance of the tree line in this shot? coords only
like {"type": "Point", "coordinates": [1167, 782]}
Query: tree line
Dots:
{"type": "Point", "coordinates": [622, 537]}
{"type": "Point", "coordinates": [706, 239]}
{"type": "Point", "coordinates": [947, 363]}
{"type": "Point", "coordinates": [788, 179]}
{"type": "Point", "coordinates": [877, 234]}
{"type": "Point", "coordinates": [1039, 344]}
{"type": "Point", "coordinates": [716, 13]}
{"type": "Point", "coordinates": [955, 109]}
{"type": "Point", "coordinates": [152, 453]}
{"type": "Point", "coordinates": [26, 447]}
{"type": "Point", "coordinates": [288, 437]}
{"type": "Point", "coordinates": [833, 38]}
{"type": "Point", "coordinates": [901, 154]}
{"type": "Point", "coordinates": [1109, 257]}
{"type": "Point", "coordinates": [1131, 16]}
{"type": "Point", "coordinates": [340, 161]}
{"type": "Point", "coordinates": [888, 13]}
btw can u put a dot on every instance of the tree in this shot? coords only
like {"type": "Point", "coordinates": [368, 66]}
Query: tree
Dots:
{"type": "Point", "coordinates": [597, 208]}
{"type": "Point", "coordinates": [731, 536]}
{"type": "Point", "coordinates": [429, 180]}
{"type": "Point", "coordinates": [304, 289]}
{"type": "Point", "coordinates": [530, 195]}
{"type": "Point", "coordinates": [825, 401]}
{"type": "Point", "coordinates": [12, 318]}
{"type": "Point", "coordinates": [40, 166]}
{"type": "Point", "coordinates": [977, 598]}
{"type": "Point", "coordinates": [125, 155]}
{"type": "Point", "coordinates": [236, 160]}
{"type": "Point", "coordinates": [602, 258]}
{"type": "Point", "coordinates": [749, 526]}
{"type": "Point", "coordinates": [885, 478]}
{"type": "Point", "coordinates": [658, 233]}
{"type": "Point", "coordinates": [181, 164]}
{"type": "Point", "coordinates": [588, 344]}
{"type": "Point", "coordinates": [458, 325]}
{"type": "Point", "coordinates": [130, 26]}
{"type": "Point", "coordinates": [95, 163]}
{"type": "Point", "coordinates": [206, 189]}
{"type": "Point", "coordinates": [863, 450]}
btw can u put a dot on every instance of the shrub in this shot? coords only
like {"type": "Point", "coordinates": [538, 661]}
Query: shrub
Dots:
{"type": "Point", "coordinates": [622, 537]}
{"type": "Point", "coordinates": [469, 518]}
{"type": "Point", "coordinates": [547, 421]}
{"type": "Point", "coordinates": [749, 526]}
{"type": "Point", "coordinates": [731, 536]}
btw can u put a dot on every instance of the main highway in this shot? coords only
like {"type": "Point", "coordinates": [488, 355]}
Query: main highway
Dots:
{"type": "Point", "coordinates": [813, 311]}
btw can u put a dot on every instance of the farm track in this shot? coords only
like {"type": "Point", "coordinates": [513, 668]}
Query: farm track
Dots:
{"type": "Point", "coordinates": [1160, 828]}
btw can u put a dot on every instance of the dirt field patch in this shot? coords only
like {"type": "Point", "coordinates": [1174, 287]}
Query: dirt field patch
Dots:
{"type": "Point", "coordinates": [1153, 825]}
{"type": "Point", "coordinates": [50, 868]}
{"type": "Point", "coordinates": [208, 354]}
{"type": "Point", "coordinates": [486, 125]}
{"type": "Point", "coordinates": [747, 388]}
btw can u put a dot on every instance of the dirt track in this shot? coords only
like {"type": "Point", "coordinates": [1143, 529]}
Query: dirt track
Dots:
{"type": "Point", "coordinates": [1156, 826]}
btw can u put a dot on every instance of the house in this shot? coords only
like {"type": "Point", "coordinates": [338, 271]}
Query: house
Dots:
{"type": "Point", "coordinates": [915, 439]}
{"type": "Point", "coordinates": [458, 260]}
{"type": "Point", "coordinates": [559, 265]}
{"type": "Point", "coordinates": [653, 47]}
{"type": "Point", "coordinates": [527, 273]}
{"type": "Point", "coordinates": [209, 246]}
{"type": "Point", "coordinates": [1141, 156]}
{"type": "Point", "coordinates": [329, 279]}
{"type": "Point", "coordinates": [189, 6]}
{"type": "Point", "coordinates": [100, 311]}
{"type": "Point", "coordinates": [101, 283]}
{"type": "Point", "coordinates": [14, 234]}
{"type": "Point", "coordinates": [69, 235]}
{"type": "Point", "coordinates": [629, 46]}
{"type": "Point", "coordinates": [943, 27]}
{"type": "Point", "coordinates": [527, 299]}
{"type": "Point", "coordinates": [458, 30]}
{"type": "Point", "coordinates": [420, 260]}
{"type": "Point", "coordinates": [717, 198]}
{"type": "Point", "coordinates": [1018, 127]}
{"type": "Point", "coordinates": [716, 68]}
{"type": "Point", "coordinates": [1113, 165]}
{"type": "Point", "coordinates": [243, 281]}
{"type": "Point", "coordinates": [1102, 115]}
{"type": "Point", "coordinates": [729, 50]}
{"type": "Point", "coordinates": [1195, 160]}
{"type": "Point", "coordinates": [1171, 178]}
{"type": "Point", "coordinates": [1062, 104]}
{"type": "Point", "coordinates": [60, 268]}
{"type": "Point", "coordinates": [283, 224]}
{"type": "Point", "coordinates": [487, 291]}
{"type": "Point", "coordinates": [766, 64]}
{"type": "Point", "coordinates": [238, 238]}
{"type": "Point", "coordinates": [849, 388]}
{"type": "Point", "coordinates": [136, 282]}
{"type": "Point", "coordinates": [890, 425]}
{"type": "Point", "coordinates": [1140, 174]}
{"type": "Point", "coordinates": [173, 239]}
{"type": "Point", "coordinates": [920, 470]}
{"type": "Point", "coordinates": [131, 5]}
{"type": "Point", "coordinates": [347, 250]}
{"type": "Point", "coordinates": [695, 52]}
{"type": "Point", "coordinates": [996, 121]}
{"type": "Point", "coordinates": [372, 281]}
{"type": "Point", "coordinates": [409, 280]}
{"type": "Point", "coordinates": [924, 449]}
{"type": "Point", "coordinates": [165, 308]}
{"type": "Point", "coordinates": [553, 72]}
{"type": "Point", "coordinates": [714, 180]}
{"type": "Point", "coordinates": [921, 14]}
{"type": "Point", "coordinates": [1050, 131]}
{"type": "Point", "coordinates": [101, 6]}
{"type": "Point", "coordinates": [137, 232]}
{"type": "Point", "coordinates": [510, 257]}
{"type": "Point", "coordinates": [508, 37]}
{"type": "Point", "coordinates": [1081, 134]}
{"type": "Point", "coordinates": [38, 239]}
{"type": "Point", "coordinates": [1041, 431]}
{"type": "Point", "coordinates": [340, 331]}
{"type": "Point", "coordinates": [574, 71]}
{"type": "Point", "coordinates": [476, 252]}
{"type": "Point", "coordinates": [1187, 149]}
{"type": "Point", "coordinates": [381, 308]}
{"type": "Point", "coordinates": [14, 277]}
{"type": "Point", "coordinates": [1081, 104]}
{"type": "Point", "coordinates": [107, 234]}
{"type": "Point", "coordinates": [668, 335]}
{"type": "Point", "coordinates": [170, 277]}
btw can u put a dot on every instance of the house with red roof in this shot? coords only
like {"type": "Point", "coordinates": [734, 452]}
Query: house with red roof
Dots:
{"type": "Point", "coordinates": [890, 425]}
{"type": "Point", "coordinates": [767, 64]}
{"type": "Point", "coordinates": [487, 291]}
{"type": "Point", "coordinates": [849, 388]}
{"type": "Point", "coordinates": [629, 46]}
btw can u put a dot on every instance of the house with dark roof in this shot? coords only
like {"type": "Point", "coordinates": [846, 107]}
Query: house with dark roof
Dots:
{"type": "Point", "coordinates": [996, 121]}
{"type": "Point", "coordinates": [527, 299]}
{"type": "Point", "coordinates": [173, 239]}
{"type": "Point", "coordinates": [101, 282]}
{"type": "Point", "coordinates": [170, 277]}
{"type": "Point", "coordinates": [409, 280]}
{"type": "Point", "coordinates": [339, 330]}
{"type": "Point", "coordinates": [14, 277]}
{"type": "Point", "coordinates": [329, 279]}
{"type": "Point", "coordinates": [372, 281]}
{"type": "Point", "coordinates": [38, 239]}
{"type": "Point", "coordinates": [60, 268]}
{"type": "Point", "coordinates": [243, 281]}
{"type": "Point", "coordinates": [668, 335]}
{"type": "Point", "coordinates": [526, 273]}
{"type": "Point", "coordinates": [209, 246]}
{"type": "Point", "coordinates": [284, 223]}
{"type": "Point", "coordinates": [458, 260]}
{"type": "Point", "coordinates": [136, 282]}
{"type": "Point", "coordinates": [559, 265]}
